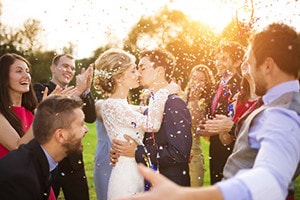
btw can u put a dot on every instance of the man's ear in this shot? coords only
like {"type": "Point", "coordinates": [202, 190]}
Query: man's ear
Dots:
{"type": "Point", "coordinates": [52, 68]}
{"type": "Point", "coordinates": [269, 64]}
{"type": "Point", "coordinates": [60, 135]}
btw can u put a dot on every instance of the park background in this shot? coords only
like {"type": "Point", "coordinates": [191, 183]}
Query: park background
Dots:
{"type": "Point", "coordinates": [190, 29]}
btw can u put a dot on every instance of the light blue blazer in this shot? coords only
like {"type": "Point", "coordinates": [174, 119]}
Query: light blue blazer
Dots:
{"type": "Point", "coordinates": [102, 168]}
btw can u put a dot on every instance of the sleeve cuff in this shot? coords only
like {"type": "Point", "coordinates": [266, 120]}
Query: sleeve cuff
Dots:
{"type": "Point", "coordinates": [85, 93]}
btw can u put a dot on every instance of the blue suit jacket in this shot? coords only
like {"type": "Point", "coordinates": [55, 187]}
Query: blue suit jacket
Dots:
{"type": "Point", "coordinates": [171, 146]}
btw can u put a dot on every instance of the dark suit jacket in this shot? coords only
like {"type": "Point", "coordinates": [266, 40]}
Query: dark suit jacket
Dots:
{"type": "Point", "coordinates": [231, 88]}
{"type": "Point", "coordinates": [24, 174]}
{"type": "Point", "coordinates": [172, 142]}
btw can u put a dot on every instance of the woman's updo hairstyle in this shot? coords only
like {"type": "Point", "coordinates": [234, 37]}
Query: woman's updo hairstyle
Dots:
{"type": "Point", "coordinates": [109, 66]}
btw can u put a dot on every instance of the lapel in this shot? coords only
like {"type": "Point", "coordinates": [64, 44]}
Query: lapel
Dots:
{"type": "Point", "coordinates": [51, 86]}
{"type": "Point", "coordinates": [41, 164]}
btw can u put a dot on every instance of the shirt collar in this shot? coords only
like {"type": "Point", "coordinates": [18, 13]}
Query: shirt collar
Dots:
{"type": "Point", "coordinates": [280, 89]}
{"type": "Point", "coordinates": [51, 161]}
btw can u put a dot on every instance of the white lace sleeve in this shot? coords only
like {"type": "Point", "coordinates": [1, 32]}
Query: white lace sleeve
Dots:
{"type": "Point", "coordinates": [121, 114]}
{"type": "Point", "coordinates": [156, 110]}
{"type": "Point", "coordinates": [140, 109]}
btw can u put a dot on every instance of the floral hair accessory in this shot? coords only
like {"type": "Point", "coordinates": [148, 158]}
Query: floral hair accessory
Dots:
{"type": "Point", "coordinates": [103, 74]}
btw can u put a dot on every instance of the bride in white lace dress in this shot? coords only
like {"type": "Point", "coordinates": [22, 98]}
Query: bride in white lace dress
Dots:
{"type": "Point", "coordinates": [116, 74]}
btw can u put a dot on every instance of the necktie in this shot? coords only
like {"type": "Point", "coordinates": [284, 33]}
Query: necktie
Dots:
{"type": "Point", "coordinates": [48, 190]}
{"type": "Point", "coordinates": [258, 104]}
{"type": "Point", "coordinates": [52, 175]}
{"type": "Point", "coordinates": [216, 98]}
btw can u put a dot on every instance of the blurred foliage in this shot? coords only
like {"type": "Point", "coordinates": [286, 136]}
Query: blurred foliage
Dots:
{"type": "Point", "coordinates": [190, 41]}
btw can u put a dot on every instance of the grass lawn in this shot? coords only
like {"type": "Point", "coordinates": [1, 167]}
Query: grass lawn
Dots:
{"type": "Point", "coordinates": [90, 141]}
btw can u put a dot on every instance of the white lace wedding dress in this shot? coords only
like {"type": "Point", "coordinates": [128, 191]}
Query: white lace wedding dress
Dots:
{"type": "Point", "coordinates": [121, 118]}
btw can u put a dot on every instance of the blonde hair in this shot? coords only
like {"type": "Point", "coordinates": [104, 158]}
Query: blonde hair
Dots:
{"type": "Point", "coordinates": [110, 65]}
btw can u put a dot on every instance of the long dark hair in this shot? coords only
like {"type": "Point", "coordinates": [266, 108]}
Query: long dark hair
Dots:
{"type": "Point", "coordinates": [29, 100]}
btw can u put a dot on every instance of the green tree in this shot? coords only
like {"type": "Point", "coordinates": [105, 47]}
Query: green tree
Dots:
{"type": "Point", "coordinates": [28, 38]}
{"type": "Point", "coordinates": [191, 42]}
{"type": "Point", "coordinates": [25, 40]}
{"type": "Point", "coordinates": [40, 62]}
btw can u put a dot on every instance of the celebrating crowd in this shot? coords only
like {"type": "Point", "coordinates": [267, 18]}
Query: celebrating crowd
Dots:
{"type": "Point", "coordinates": [248, 111]}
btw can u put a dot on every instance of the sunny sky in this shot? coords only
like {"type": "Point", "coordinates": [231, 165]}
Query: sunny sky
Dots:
{"type": "Point", "coordinates": [88, 24]}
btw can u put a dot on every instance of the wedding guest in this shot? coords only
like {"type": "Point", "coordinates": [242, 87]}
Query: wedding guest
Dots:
{"type": "Point", "coordinates": [71, 177]}
{"type": "Point", "coordinates": [245, 102]}
{"type": "Point", "coordinates": [196, 95]}
{"type": "Point", "coordinates": [102, 166]}
{"type": "Point", "coordinates": [18, 103]}
{"type": "Point", "coordinates": [228, 59]}
{"type": "Point", "coordinates": [272, 148]}
{"type": "Point", "coordinates": [25, 172]}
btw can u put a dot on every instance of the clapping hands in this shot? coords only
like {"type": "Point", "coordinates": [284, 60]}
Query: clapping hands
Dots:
{"type": "Point", "coordinates": [84, 79]}
{"type": "Point", "coordinates": [69, 91]}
